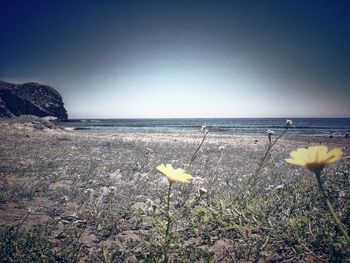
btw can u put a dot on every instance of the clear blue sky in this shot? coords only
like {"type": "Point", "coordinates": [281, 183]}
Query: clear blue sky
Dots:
{"type": "Point", "coordinates": [182, 58]}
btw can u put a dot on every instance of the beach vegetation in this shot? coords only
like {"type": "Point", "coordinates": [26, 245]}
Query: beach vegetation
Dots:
{"type": "Point", "coordinates": [102, 198]}
{"type": "Point", "coordinates": [315, 158]}
{"type": "Point", "coordinates": [173, 175]}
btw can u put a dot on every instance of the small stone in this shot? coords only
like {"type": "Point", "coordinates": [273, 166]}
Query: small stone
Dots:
{"type": "Point", "coordinates": [148, 151]}
{"type": "Point", "coordinates": [61, 236]}
{"type": "Point", "coordinates": [139, 206]}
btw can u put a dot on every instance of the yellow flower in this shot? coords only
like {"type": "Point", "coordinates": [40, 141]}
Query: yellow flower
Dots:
{"type": "Point", "coordinates": [315, 158]}
{"type": "Point", "coordinates": [174, 175]}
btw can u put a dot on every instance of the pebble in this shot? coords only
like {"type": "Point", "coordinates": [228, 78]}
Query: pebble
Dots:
{"type": "Point", "coordinates": [139, 206]}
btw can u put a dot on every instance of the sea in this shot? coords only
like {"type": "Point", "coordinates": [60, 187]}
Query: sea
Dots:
{"type": "Point", "coordinates": [336, 127]}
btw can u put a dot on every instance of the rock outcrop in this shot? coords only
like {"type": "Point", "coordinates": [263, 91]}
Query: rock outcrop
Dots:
{"type": "Point", "coordinates": [30, 99]}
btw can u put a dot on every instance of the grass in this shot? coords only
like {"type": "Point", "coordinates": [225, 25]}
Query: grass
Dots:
{"type": "Point", "coordinates": [107, 203]}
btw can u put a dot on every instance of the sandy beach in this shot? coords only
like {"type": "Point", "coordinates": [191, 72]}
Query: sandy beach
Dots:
{"type": "Point", "coordinates": [103, 184]}
{"type": "Point", "coordinates": [175, 131]}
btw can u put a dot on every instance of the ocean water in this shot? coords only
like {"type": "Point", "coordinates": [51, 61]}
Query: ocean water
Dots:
{"type": "Point", "coordinates": [302, 126]}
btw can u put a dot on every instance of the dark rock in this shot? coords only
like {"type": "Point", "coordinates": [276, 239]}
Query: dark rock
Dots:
{"type": "Point", "coordinates": [30, 99]}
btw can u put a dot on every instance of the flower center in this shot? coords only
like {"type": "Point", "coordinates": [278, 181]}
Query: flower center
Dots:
{"type": "Point", "coordinates": [315, 167]}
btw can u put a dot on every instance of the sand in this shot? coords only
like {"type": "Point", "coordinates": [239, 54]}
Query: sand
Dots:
{"type": "Point", "coordinates": [75, 176]}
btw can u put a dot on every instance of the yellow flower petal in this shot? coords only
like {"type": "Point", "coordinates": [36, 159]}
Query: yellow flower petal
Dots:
{"type": "Point", "coordinates": [315, 158]}
{"type": "Point", "coordinates": [322, 152]}
{"type": "Point", "coordinates": [295, 161]}
{"type": "Point", "coordinates": [300, 155]}
{"type": "Point", "coordinates": [162, 168]}
{"type": "Point", "coordinates": [316, 153]}
{"type": "Point", "coordinates": [334, 155]}
{"type": "Point", "coordinates": [174, 175]}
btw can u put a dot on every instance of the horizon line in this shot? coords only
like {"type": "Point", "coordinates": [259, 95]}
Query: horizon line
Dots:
{"type": "Point", "coordinates": [126, 118]}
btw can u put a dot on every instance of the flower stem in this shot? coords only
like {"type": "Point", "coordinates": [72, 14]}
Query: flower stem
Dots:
{"type": "Point", "coordinates": [166, 240]}
{"type": "Point", "coordinates": [195, 154]}
{"type": "Point", "coordinates": [254, 177]}
{"type": "Point", "coordinates": [331, 209]}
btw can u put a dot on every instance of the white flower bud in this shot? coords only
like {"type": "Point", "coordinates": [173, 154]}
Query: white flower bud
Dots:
{"type": "Point", "coordinates": [342, 194]}
{"type": "Point", "coordinates": [202, 191]}
{"type": "Point", "coordinates": [270, 132]}
{"type": "Point", "coordinates": [289, 123]}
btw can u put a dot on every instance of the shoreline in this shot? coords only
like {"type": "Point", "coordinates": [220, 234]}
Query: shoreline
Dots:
{"type": "Point", "coordinates": [332, 127]}
{"type": "Point", "coordinates": [334, 134]}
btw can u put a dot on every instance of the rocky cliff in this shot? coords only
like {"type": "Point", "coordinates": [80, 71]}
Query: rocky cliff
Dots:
{"type": "Point", "coordinates": [30, 99]}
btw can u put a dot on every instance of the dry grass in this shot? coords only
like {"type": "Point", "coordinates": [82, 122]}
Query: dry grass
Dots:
{"type": "Point", "coordinates": [98, 197]}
